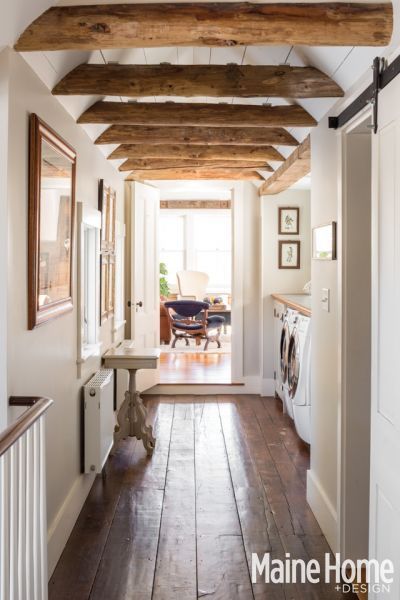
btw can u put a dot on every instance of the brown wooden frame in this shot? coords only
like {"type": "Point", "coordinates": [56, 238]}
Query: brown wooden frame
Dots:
{"type": "Point", "coordinates": [38, 131]}
{"type": "Point", "coordinates": [281, 209]}
{"type": "Point", "coordinates": [332, 224]}
{"type": "Point", "coordinates": [296, 243]}
{"type": "Point", "coordinates": [107, 206]}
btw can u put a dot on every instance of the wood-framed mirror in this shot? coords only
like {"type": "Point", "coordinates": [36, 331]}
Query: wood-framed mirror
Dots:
{"type": "Point", "coordinates": [52, 166]}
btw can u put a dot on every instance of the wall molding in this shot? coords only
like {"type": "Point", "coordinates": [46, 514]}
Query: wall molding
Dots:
{"type": "Point", "coordinates": [268, 387]}
{"type": "Point", "coordinates": [323, 510]}
{"type": "Point", "coordinates": [63, 523]}
{"type": "Point", "coordinates": [249, 385]}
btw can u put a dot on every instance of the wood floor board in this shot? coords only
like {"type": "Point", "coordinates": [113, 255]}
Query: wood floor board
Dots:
{"type": "Point", "coordinates": [176, 567]}
{"type": "Point", "coordinates": [129, 557]}
{"type": "Point", "coordinates": [222, 565]}
{"type": "Point", "coordinates": [226, 480]}
{"type": "Point", "coordinates": [195, 368]}
{"type": "Point", "coordinates": [85, 546]}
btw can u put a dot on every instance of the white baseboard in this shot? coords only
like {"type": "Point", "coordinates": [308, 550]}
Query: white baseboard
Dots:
{"type": "Point", "coordinates": [268, 387]}
{"type": "Point", "coordinates": [64, 521]}
{"type": "Point", "coordinates": [250, 385]}
{"type": "Point", "coordinates": [323, 510]}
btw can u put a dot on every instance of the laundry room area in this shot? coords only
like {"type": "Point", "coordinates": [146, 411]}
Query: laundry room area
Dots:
{"type": "Point", "coordinates": [286, 287]}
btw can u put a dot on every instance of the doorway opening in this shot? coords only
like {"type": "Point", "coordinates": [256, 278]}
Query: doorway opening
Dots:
{"type": "Point", "coordinates": [355, 274]}
{"type": "Point", "coordinates": [195, 253]}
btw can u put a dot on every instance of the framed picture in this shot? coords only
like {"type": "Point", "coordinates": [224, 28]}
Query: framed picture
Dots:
{"type": "Point", "coordinates": [52, 164]}
{"type": "Point", "coordinates": [324, 242]}
{"type": "Point", "coordinates": [289, 220]}
{"type": "Point", "coordinates": [289, 254]}
{"type": "Point", "coordinates": [107, 207]}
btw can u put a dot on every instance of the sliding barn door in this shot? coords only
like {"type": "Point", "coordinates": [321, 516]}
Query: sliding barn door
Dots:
{"type": "Point", "coordinates": [385, 447]}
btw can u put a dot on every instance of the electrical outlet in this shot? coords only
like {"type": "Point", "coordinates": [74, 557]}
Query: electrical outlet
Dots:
{"type": "Point", "coordinates": [325, 299]}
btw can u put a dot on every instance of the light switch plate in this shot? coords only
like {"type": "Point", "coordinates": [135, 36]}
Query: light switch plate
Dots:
{"type": "Point", "coordinates": [325, 299]}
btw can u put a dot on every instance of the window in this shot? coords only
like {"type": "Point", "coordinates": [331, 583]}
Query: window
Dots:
{"type": "Point", "coordinates": [197, 240]}
{"type": "Point", "coordinates": [212, 249]}
{"type": "Point", "coordinates": [89, 225]}
{"type": "Point", "coordinates": [90, 316]}
{"type": "Point", "coordinates": [172, 245]}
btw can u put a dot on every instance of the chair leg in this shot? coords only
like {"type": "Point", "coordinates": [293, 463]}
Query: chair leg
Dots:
{"type": "Point", "coordinates": [174, 342]}
{"type": "Point", "coordinates": [187, 341]}
{"type": "Point", "coordinates": [206, 344]}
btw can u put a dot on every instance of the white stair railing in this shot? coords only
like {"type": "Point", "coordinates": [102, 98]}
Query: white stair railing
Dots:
{"type": "Point", "coordinates": [23, 523]}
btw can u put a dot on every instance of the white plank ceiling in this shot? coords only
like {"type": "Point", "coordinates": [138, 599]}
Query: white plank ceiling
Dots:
{"type": "Point", "coordinates": [343, 64]}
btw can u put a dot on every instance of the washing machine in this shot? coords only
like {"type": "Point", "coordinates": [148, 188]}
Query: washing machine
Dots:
{"type": "Point", "coordinates": [289, 323]}
{"type": "Point", "coordinates": [279, 312]}
{"type": "Point", "coordinates": [299, 363]}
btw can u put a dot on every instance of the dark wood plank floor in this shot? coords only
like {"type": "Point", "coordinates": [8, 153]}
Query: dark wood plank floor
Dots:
{"type": "Point", "coordinates": [227, 479]}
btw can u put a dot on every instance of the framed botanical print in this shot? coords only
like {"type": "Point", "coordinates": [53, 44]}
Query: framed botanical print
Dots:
{"type": "Point", "coordinates": [107, 206]}
{"type": "Point", "coordinates": [289, 254]}
{"type": "Point", "coordinates": [289, 220]}
{"type": "Point", "coordinates": [324, 242]}
{"type": "Point", "coordinates": [52, 164]}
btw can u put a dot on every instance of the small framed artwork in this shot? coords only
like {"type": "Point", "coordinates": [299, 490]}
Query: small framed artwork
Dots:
{"type": "Point", "coordinates": [324, 242]}
{"type": "Point", "coordinates": [51, 224]}
{"type": "Point", "coordinates": [289, 254]}
{"type": "Point", "coordinates": [289, 220]}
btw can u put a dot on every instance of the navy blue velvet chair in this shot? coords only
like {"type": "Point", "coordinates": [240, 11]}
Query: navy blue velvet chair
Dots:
{"type": "Point", "coordinates": [189, 319]}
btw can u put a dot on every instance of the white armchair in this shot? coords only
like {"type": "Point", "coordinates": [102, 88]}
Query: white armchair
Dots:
{"type": "Point", "coordinates": [192, 285]}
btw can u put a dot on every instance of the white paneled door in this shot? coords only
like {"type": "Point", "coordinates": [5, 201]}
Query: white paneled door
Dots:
{"type": "Point", "coordinates": [385, 423]}
{"type": "Point", "coordinates": [145, 296]}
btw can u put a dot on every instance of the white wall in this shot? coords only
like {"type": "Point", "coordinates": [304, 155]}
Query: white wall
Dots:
{"type": "Point", "coordinates": [323, 477]}
{"type": "Point", "coordinates": [43, 361]}
{"type": "Point", "coordinates": [4, 85]}
{"type": "Point", "coordinates": [275, 280]}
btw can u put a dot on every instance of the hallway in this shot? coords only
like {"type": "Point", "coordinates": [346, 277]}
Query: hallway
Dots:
{"type": "Point", "coordinates": [227, 479]}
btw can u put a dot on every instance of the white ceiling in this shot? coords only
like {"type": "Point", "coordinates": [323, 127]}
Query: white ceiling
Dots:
{"type": "Point", "coordinates": [344, 64]}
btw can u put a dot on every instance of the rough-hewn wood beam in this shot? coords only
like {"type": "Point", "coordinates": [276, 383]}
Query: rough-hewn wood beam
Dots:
{"type": "Point", "coordinates": [245, 153]}
{"type": "Point", "coordinates": [252, 136]}
{"type": "Point", "coordinates": [133, 164]}
{"type": "Point", "coordinates": [245, 81]}
{"type": "Point", "coordinates": [298, 165]}
{"type": "Point", "coordinates": [196, 174]}
{"type": "Point", "coordinates": [214, 24]}
{"type": "Point", "coordinates": [195, 204]}
{"type": "Point", "coordinates": [197, 115]}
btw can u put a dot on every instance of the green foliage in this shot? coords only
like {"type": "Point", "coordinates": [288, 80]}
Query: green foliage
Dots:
{"type": "Point", "coordinates": [164, 287]}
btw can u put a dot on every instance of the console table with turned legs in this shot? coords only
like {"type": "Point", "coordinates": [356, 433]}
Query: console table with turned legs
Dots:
{"type": "Point", "coordinates": [132, 415]}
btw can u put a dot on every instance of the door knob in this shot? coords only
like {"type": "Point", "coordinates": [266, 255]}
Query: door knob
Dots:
{"type": "Point", "coordinates": [140, 304]}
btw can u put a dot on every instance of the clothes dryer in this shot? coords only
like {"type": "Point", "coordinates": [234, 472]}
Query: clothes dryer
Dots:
{"type": "Point", "coordinates": [299, 363]}
{"type": "Point", "coordinates": [289, 322]}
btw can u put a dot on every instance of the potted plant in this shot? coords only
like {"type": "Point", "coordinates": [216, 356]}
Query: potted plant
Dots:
{"type": "Point", "coordinates": [164, 287]}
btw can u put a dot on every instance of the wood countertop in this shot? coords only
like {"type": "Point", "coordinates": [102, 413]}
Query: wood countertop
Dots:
{"type": "Point", "coordinates": [299, 302]}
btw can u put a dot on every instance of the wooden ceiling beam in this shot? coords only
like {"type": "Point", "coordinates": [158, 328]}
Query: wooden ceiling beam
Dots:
{"type": "Point", "coordinates": [251, 136]}
{"type": "Point", "coordinates": [297, 166]}
{"type": "Point", "coordinates": [169, 151]}
{"type": "Point", "coordinates": [245, 81]}
{"type": "Point", "coordinates": [173, 163]}
{"type": "Point", "coordinates": [216, 24]}
{"type": "Point", "coordinates": [169, 174]}
{"type": "Point", "coordinates": [197, 115]}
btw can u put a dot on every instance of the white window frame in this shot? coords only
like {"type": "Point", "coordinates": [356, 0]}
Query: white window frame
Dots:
{"type": "Point", "coordinates": [189, 251]}
{"type": "Point", "coordinates": [119, 313]}
{"type": "Point", "coordinates": [89, 220]}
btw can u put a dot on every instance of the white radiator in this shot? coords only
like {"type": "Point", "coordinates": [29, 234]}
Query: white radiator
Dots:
{"type": "Point", "coordinates": [23, 526]}
{"type": "Point", "coordinates": [99, 419]}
